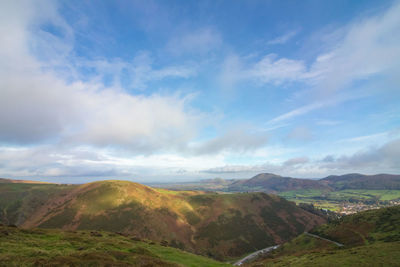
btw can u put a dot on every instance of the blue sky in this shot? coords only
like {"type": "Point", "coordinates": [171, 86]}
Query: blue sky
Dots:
{"type": "Point", "coordinates": [185, 90]}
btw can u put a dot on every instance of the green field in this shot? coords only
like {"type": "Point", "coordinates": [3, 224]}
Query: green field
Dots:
{"type": "Point", "coordinates": [333, 199]}
{"type": "Point", "coordinates": [39, 247]}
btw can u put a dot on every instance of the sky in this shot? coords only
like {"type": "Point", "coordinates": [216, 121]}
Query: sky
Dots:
{"type": "Point", "coordinates": [172, 91]}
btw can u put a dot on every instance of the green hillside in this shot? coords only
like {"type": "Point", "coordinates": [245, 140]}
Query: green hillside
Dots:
{"type": "Point", "coordinates": [222, 226]}
{"type": "Point", "coordinates": [40, 247]}
{"type": "Point", "coordinates": [370, 238]}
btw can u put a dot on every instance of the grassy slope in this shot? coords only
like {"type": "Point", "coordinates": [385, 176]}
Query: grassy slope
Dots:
{"type": "Point", "coordinates": [222, 226]}
{"type": "Point", "coordinates": [379, 254]}
{"type": "Point", "coordinates": [371, 238]}
{"type": "Point", "coordinates": [19, 200]}
{"type": "Point", "coordinates": [20, 247]}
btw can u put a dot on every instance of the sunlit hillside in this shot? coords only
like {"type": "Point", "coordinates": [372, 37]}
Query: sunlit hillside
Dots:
{"type": "Point", "coordinates": [217, 225]}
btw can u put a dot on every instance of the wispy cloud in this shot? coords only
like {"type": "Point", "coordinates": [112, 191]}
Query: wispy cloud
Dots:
{"type": "Point", "coordinates": [195, 42]}
{"type": "Point", "coordinates": [365, 137]}
{"type": "Point", "coordinates": [137, 74]}
{"type": "Point", "coordinates": [282, 39]}
{"type": "Point", "coordinates": [269, 70]}
{"type": "Point", "coordinates": [315, 106]}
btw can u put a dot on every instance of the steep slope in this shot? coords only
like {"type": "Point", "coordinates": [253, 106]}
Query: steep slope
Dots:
{"type": "Point", "coordinates": [370, 238]}
{"type": "Point", "coordinates": [272, 183]}
{"type": "Point", "coordinates": [38, 247]}
{"type": "Point", "coordinates": [216, 225]}
{"type": "Point", "coordinates": [19, 200]}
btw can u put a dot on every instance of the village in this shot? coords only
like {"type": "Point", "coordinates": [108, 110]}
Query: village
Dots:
{"type": "Point", "coordinates": [351, 208]}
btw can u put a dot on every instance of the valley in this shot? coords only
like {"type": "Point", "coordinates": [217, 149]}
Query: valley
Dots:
{"type": "Point", "coordinates": [123, 223]}
{"type": "Point", "coordinates": [344, 194]}
{"type": "Point", "coordinates": [220, 226]}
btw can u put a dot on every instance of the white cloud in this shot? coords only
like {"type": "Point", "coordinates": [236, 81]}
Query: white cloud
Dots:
{"type": "Point", "coordinates": [385, 158]}
{"type": "Point", "coordinates": [38, 105]}
{"type": "Point", "coordinates": [381, 159]}
{"type": "Point", "coordinates": [84, 164]}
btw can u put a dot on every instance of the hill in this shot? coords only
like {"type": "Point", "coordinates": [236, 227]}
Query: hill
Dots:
{"type": "Point", "coordinates": [39, 247]}
{"type": "Point", "coordinates": [272, 183]}
{"type": "Point", "coordinates": [222, 226]}
{"type": "Point", "coordinates": [268, 182]}
{"type": "Point", "coordinates": [370, 238]}
{"type": "Point", "coordinates": [360, 181]}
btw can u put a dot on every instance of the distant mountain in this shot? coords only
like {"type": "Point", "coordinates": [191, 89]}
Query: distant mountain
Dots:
{"type": "Point", "coordinates": [360, 181]}
{"type": "Point", "coordinates": [4, 180]}
{"type": "Point", "coordinates": [272, 183]}
{"type": "Point", "coordinates": [217, 225]}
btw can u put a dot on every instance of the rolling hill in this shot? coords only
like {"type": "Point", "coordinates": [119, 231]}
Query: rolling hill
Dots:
{"type": "Point", "coordinates": [221, 226]}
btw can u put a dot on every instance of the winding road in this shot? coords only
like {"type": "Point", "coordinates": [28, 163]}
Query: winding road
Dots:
{"type": "Point", "coordinates": [317, 236]}
{"type": "Point", "coordinates": [255, 254]}
{"type": "Point", "coordinates": [268, 249]}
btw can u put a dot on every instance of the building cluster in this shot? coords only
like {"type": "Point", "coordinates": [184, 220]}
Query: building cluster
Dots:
{"type": "Point", "coordinates": [350, 208]}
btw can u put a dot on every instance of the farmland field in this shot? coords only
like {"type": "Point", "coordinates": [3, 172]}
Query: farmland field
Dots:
{"type": "Point", "coordinates": [332, 200]}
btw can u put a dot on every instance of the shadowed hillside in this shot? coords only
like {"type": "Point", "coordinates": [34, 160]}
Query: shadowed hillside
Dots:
{"type": "Point", "coordinates": [217, 225]}
{"type": "Point", "coordinates": [370, 238]}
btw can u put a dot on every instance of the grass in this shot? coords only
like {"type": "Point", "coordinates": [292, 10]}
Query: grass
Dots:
{"type": "Point", "coordinates": [370, 238]}
{"type": "Point", "coordinates": [380, 254]}
{"type": "Point", "coordinates": [20, 247]}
